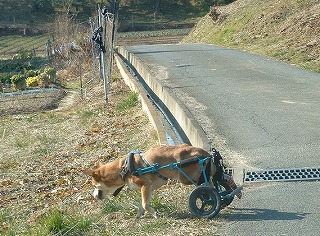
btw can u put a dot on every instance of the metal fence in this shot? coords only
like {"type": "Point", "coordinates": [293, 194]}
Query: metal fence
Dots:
{"type": "Point", "coordinates": [61, 48]}
{"type": "Point", "coordinates": [103, 35]}
{"type": "Point", "coordinates": [22, 53]}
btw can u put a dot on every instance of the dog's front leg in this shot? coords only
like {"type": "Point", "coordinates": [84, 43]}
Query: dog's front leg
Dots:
{"type": "Point", "coordinates": [146, 192]}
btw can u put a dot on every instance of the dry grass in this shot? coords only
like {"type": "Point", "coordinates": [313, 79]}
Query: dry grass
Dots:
{"type": "Point", "coordinates": [42, 188]}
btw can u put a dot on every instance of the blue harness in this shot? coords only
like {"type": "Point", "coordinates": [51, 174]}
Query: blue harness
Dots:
{"type": "Point", "coordinates": [128, 166]}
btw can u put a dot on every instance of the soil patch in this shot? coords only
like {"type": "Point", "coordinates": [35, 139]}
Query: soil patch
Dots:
{"type": "Point", "coordinates": [32, 101]}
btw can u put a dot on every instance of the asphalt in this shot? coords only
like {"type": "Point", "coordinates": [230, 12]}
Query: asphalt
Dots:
{"type": "Point", "coordinates": [261, 114]}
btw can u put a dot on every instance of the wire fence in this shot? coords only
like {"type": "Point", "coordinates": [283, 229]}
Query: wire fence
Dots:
{"type": "Point", "coordinates": [75, 45]}
{"type": "Point", "coordinates": [66, 47]}
{"type": "Point", "coordinates": [70, 46]}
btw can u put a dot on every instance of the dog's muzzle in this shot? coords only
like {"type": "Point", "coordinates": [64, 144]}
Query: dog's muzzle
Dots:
{"type": "Point", "coordinates": [97, 194]}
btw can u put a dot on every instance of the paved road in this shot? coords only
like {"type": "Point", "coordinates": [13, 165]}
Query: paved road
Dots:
{"type": "Point", "coordinates": [261, 114]}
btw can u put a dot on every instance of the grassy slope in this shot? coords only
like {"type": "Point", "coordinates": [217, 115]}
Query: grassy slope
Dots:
{"type": "Point", "coordinates": [288, 30]}
{"type": "Point", "coordinates": [44, 192]}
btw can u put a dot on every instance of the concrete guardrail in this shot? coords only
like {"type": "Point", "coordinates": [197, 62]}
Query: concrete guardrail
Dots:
{"type": "Point", "coordinates": [180, 116]}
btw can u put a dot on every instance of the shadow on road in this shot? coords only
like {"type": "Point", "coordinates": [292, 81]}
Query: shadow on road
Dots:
{"type": "Point", "coordinates": [256, 214]}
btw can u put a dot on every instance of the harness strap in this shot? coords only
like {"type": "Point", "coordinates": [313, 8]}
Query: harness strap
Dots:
{"type": "Point", "coordinates": [130, 160]}
{"type": "Point", "coordinates": [189, 161]}
{"type": "Point", "coordinates": [147, 165]}
{"type": "Point", "coordinates": [117, 191]}
{"type": "Point", "coordinates": [128, 165]}
{"type": "Point", "coordinates": [144, 160]}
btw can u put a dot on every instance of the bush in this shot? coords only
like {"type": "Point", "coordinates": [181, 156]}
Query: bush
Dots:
{"type": "Point", "coordinates": [51, 72]}
{"type": "Point", "coordinates": [32, 81]}
{"type": "Point", "coordinates": [16, 78]}
{"type": "Point", "coordinates": [18, 82]}
{"type": "Point", "coordinates": [31, 73]}
{"type": "Point", "coordinates": [43, 80]}
{"type": "Point", "coordinates": [5, 78]}
{"type": "Point", "coordinates": [27, 77]}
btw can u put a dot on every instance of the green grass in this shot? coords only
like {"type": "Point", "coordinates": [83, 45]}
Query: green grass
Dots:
{"type": "Point", "coordinates": [128, 102]}
{"type": "Point", "coordinates": [163, 207]}
{"type": "Point", "coordinates": [72, 85]}
{"type": "Point", "coordinates": [53, 118]}
{"type": "Point", "coordinates": [225, 35]}
{"type": "Point", "coordinates": [6, 221]}
{"type": "Point", "coordinates": [86, 114]}
{"type": "Point", "coordinates": [22, 142]}
{"type": "Point", "coordinates": [116, 217]}
{"type": "Point", "coordinates": [111, 206]}
{"type": "Point", "coordinates": [57, 222]}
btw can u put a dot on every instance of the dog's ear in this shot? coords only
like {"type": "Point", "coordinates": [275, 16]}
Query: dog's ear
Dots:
{"type": "Point", "coordinates": [94, 173]}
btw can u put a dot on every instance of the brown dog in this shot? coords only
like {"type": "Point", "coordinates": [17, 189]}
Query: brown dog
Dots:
{"type": "Point", "coordinates": [111, 177]}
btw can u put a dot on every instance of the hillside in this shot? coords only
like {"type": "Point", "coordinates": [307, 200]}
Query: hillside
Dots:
{"type": "Point", "coordinates": [285, 30]}
{"type": "Point", "coordinates": [25, 17]}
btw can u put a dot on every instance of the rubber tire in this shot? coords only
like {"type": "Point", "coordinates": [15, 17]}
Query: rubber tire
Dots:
{"type": "Point", "coordinates": [204, 202]}
{"type": "Point", "coordinates": [227, 190]}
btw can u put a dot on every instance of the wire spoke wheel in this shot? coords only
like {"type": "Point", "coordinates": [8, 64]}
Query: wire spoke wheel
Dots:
{"type": "Point", "coordinates": [204, 202]}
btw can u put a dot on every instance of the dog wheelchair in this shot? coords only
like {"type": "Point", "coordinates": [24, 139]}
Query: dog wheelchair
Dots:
{"type": "Point", "coordinates": [211, 193]}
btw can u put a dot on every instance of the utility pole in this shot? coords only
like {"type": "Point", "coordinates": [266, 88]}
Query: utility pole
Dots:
{"type": "Point", "coordinates": [104, 36]}
{"type": "Point", "coordinates": [110, 29]}
{"type": "Point", "coordinates": [115, 16]}
{"type": "Point", "coordinates": [102, 56]}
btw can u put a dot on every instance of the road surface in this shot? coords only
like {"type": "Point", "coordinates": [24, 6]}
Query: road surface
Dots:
{"type": "Point", "coordinates": [261, 114]}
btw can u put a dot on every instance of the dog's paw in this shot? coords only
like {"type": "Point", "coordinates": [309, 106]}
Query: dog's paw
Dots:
{"type": "Point", "coordinates": [140, 213]}
{"type": "Point", "coordinates": [153, 213]}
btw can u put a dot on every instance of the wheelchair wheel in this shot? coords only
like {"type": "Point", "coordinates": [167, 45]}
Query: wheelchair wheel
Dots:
{"type": "Point", "coordinates": [204, 202]}
{"type": "Point", "coordinates": [226, 189]}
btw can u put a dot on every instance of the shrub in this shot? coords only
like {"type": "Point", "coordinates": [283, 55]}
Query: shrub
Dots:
{"type": "Point", "coordinates": [5, 78]}
{"type": "Point", "coordinates": [31, 73]}
{"type": "Point", "coordinates": [18, 82]}
{"type": "Point", "coordinates": [51, 72]}
{"type": "Point", "coordinates": [32, 81]}
{"type": "Point", "coordinates": [43, 80]}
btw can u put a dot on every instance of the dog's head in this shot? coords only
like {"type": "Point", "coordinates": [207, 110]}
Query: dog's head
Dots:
{"type": "Point", "coordinates": [105, 180]}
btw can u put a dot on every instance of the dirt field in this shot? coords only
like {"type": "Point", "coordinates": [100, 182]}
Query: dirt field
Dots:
{"type": "Point", "coordinates": [30, 102]}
